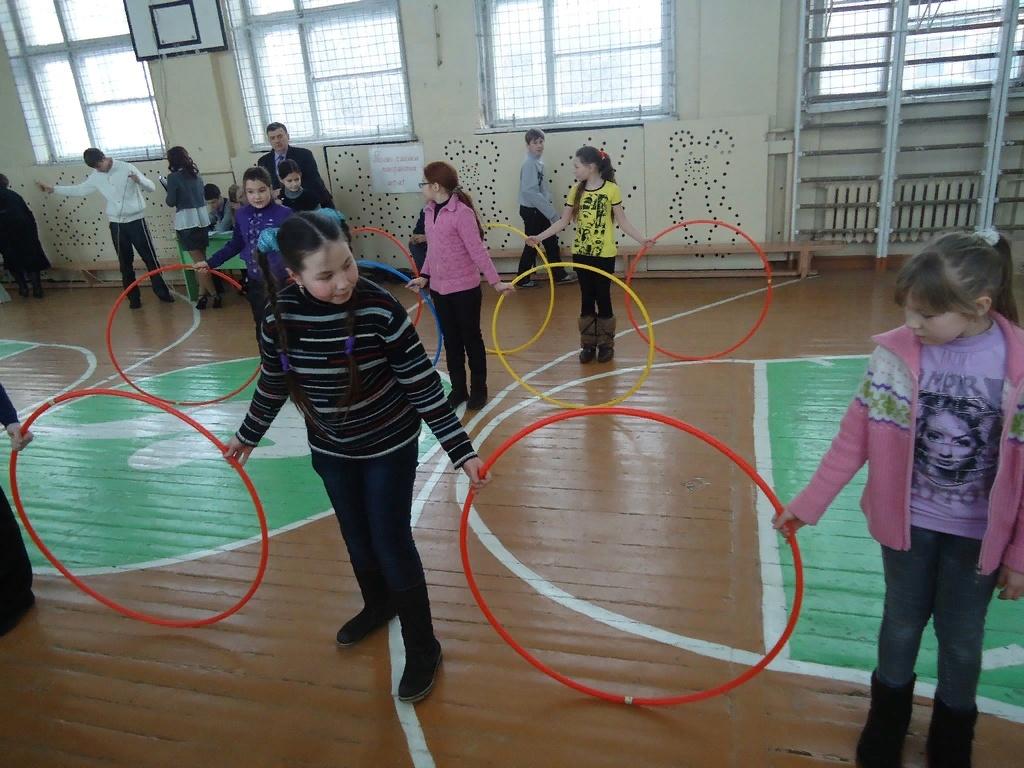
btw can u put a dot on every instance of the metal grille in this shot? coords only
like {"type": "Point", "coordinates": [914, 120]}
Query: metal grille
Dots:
{"type": "Point", "coordinates": [551, 61]}
{"type": "Point", "coordinates": [78, 80]}
{"type": "Point", "coordinates": [327, 70]}
{"type": "Point", "coordinates": [951, 45]}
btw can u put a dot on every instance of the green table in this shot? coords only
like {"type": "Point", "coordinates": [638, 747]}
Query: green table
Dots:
{"type": "Point", "coordinates": [217, 241]}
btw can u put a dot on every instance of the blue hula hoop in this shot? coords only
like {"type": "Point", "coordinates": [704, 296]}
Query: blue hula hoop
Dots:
{"type": "Point", "coordinates": [426, 300]}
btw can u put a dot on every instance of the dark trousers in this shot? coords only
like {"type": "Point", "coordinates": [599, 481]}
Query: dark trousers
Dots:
{"type": "Point", "coordinates": [135, 234]}
{"type": "Point", "coordinates": [937, 577]}
{"type": "Point", "coordinates": [535, 222]}
{"type": "Point", "coordinates": [460, 324]}
{"type": "Point", "coordinates": [256, 293]}
{"type": "Point", "coordinates": [595, 289]}
{"type": "Point", "coordinates": [15, 568]}
{"type": "Point", "coordinates": [372, 500]}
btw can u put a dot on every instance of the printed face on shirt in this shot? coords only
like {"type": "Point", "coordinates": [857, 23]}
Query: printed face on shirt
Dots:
{"type": "Point", "coordinates": [941, 328]}
{"type": "Point", "coordinates": [329, 274]}
{"type": "Point", "coordinates": [278, 140]}
{"type": "Point", "coordinates": [536, 147]}
{"type": "Point", "coordinates": [293, 181]}
{"type": "Point", "coordinates": [583, 171]}
{"type": "Point", "coordinates": [258, 194]}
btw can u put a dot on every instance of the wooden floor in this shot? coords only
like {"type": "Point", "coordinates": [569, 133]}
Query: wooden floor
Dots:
{"type": "Point", "coordinates": [630, 518]}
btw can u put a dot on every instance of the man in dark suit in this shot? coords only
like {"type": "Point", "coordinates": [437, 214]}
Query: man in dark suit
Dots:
{"type": "Point", "coordinates": [277, 135]}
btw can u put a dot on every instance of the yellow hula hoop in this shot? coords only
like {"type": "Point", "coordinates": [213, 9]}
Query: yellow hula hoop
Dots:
{"type": "Point", "coordinates": [632, 295]}
{"type": "Point", "coordinates": [551, 293]}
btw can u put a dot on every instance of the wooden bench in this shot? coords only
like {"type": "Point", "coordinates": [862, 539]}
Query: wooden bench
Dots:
{"type": "Point", "coordinates": [799, 255]}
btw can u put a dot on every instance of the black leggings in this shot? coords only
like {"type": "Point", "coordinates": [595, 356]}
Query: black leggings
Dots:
{"type": "Point", "coordinates": [15, 568]}
{"type": "Point", "coordinates": [460, 322]}
{"type": "Point", "coordinates": [595, 289]}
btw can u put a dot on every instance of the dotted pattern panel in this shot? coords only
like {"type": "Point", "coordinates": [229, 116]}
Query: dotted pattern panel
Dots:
{"type": "Point", "coordinates": [706, 169]}
{"type": "Point", "coordinates": [75, 230]}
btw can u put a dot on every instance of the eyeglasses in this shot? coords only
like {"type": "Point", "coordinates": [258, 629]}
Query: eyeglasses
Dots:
{"type": "Point", "coordinates": [423, 184]}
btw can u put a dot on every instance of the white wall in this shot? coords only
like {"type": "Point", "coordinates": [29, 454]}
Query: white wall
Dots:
{"type": "Point", "coordinates": [734, 82]}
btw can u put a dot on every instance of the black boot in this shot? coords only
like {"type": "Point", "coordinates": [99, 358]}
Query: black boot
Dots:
{"type": "Point", "coordinates": [950, 736]}
{"type": "Point", "coordinates": [881, 741]}
{"type": "Point", "coordinates": [422, 651]}
{"type": "Point", "coordinates": [588, 338]}
{"type": "Point", "coordinates": [459, 393]}
{"type": "Point", "coordinates": [378, 608]}
{"type": "Point", "coordinates": [37, 285]}
{"type": "Point", "coordinates": [477, 394]}
{"type": "Point", "coordinates": [19, 278]}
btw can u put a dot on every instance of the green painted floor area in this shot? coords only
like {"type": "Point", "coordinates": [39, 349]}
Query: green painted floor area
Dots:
{"type": "Point", "coordinates": [844, 588]}
{"type": "Point", "coordinates": [8, 348]}
{"type": "Point", "coordinates": [110, 482]}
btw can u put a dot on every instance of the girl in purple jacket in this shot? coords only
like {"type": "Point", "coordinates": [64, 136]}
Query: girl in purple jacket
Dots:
{"type": "Point", "coordinates": [939, 420]}
{"type": "Point", "coordinates": [456, 255]}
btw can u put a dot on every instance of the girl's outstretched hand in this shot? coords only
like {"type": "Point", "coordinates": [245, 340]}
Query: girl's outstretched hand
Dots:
{"type": "Point", "coordinates": [532, 241]}
{"type": "Point", "coordinates": [236, 449]}
{"type": "Point", "coordinates": [506, 288]}
{"type": "Point", "coordinates": [473, 469]}
{"type": "Point", "coordinates": [201, 267]}
{"type": "Point", "coordinates": [787, 520]}
{"type": "Point", "coordinates": [18, 440]}
{"type": "Point", "coordinates": [1011, 584]}
{"type": "Point", "coordinates": [417, 284]}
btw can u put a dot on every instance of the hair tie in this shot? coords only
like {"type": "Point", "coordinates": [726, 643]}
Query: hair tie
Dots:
{"type": "Point", "coordinates": [285, 366]}
{"type": "Point", "coordinates": [989, 235]}
{"type": "Point", "coordinates": [602, 154]}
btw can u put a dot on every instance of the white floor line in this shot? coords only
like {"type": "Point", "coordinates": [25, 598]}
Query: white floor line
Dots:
{"type": "Point", "coordinates": [90, 359]}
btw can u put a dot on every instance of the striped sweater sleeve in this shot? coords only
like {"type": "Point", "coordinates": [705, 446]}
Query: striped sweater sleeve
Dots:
{"type": "Point", "coordinates": [417, 377]}
{"type": "Point", "coordinates": [271, 389]}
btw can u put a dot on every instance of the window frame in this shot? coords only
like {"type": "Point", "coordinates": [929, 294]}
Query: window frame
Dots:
{"type": "Point", "coordinates": [551, 120]}
{"type": "Point", "coordinates": [300, 18]}
{"type": "Point", "coordinates": [74, 51]}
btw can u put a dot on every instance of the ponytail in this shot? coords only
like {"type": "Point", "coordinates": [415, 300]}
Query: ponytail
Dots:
{"type": "Point", "coordinates": [467, 201]}
{"type": "Point", "coordinates": [1003, 302]}
{"type": "Point", "coordinates": [592, 156]}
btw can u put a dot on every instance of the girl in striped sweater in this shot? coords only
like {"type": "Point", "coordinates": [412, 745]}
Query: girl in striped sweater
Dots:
{"type": "Point", "coordinates": [939, 420]}
{"type": "Point", "coordinates": [346, 353]}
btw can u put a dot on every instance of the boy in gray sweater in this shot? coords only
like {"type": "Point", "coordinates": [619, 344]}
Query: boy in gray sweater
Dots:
{"type": "Point", "coordinates": [537, 211]}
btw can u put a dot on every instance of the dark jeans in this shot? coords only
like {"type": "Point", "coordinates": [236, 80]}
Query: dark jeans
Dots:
{"type": "Point", "coordinates": [938, 578]}
{"type": "Point", "coordinates": [372, 500]}
{"type": "Point", "coordinates": [135, 234]}
{"type": "Point", "coordinates": [595, 289]}
{"type": "Point", "coordinates": [15, 568]}
{"type": "Point", "coordinates": [256, 293]}
{"type": "Point", "coordinates": [460, 324]}
{"type": "Point", "coordinates": [535, 222]}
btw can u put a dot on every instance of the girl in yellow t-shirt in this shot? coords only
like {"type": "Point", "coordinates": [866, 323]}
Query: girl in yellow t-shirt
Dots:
{"type": "Point", "coordinates": [595, 204]}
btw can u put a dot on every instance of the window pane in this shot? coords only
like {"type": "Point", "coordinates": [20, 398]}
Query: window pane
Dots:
{"type": "Point", "coordinates": [39, 23]}
{"type": "Point", "coordinates": [325, 3]}
{"type": "Point", "coordinates": [597, 25]}
{"type": "Point", "coordinates": [32, 119]}
{"type": "Point", "coordinates": [519, 71]}
{"type": "Point", "coordinates": [112, 75]}
{"type": "Point", "coordinates": [366, 105]}
{"type": "Point", "coordinates": [850, 81]}
{"type": "Point", "coordinates": [873, 50]}
{"type": "Point", "coordinates": [922, 44]}
{"type": "Point", "coordinates": [354, 44]}
{"type": "Point", "coordinates": [63, 111]}
{"type": "Point", "coordinates": [129, 128]}
{"type": "Point", "coordinates": [260, 7]}
{"type": "Point", "coordinates": [89, 19]}
{"type": "Point", "coordinates": [608, 82]}
{"type": "Point", "coordinates": [283, 78]}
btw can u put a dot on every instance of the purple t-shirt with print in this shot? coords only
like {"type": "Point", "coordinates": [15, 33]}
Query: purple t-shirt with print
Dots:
{"type": "Point", "coordinates": [959, 423]}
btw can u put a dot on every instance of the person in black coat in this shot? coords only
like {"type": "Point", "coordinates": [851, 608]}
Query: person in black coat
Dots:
{"type": "Point", "coordinates": [15, 568]}
{"type": "Point", "coordinates": [19, 241]}
{"type": "Point", "coordinates": [280, 150]}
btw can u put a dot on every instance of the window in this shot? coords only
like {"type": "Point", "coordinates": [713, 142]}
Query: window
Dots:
{"type": "Point", "coordinates": [950, 45]}
{"type": "Point", "coordinates": [566, 61]}
{"type": "Point", "coordinates": [78, 80]}
{"type": "Point", "coordinates": [327, 70]}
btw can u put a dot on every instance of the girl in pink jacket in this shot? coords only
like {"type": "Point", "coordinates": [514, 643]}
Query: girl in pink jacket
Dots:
{"type": "Point", "coordinates": [939, 419]}
{"type": "Point", "coordinates": [456, 255]}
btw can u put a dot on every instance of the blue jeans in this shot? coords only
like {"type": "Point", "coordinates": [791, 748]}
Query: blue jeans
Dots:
{"type": "Point", "coordinates": [937, 577]}
{"type": "Point", "coordinates": [372, 500]}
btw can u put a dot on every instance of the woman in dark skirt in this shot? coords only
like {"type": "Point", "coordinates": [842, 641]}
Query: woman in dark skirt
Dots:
{"type": "Point", "coordinates": [15, 570]}
{"type": "Point", "coordinates": [19, 241]}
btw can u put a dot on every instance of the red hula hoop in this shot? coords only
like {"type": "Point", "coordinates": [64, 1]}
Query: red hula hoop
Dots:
{"type": "Point", "coordinates": [403, 249]}
{"type": "Point", "coordinates": [631, 270]}
{"type": "Point", "coordinates": [121, 372]}
{"type": "Point", "coordinates": [619, 698]}
{"type": "Point", "coordinates": [122, 609]}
